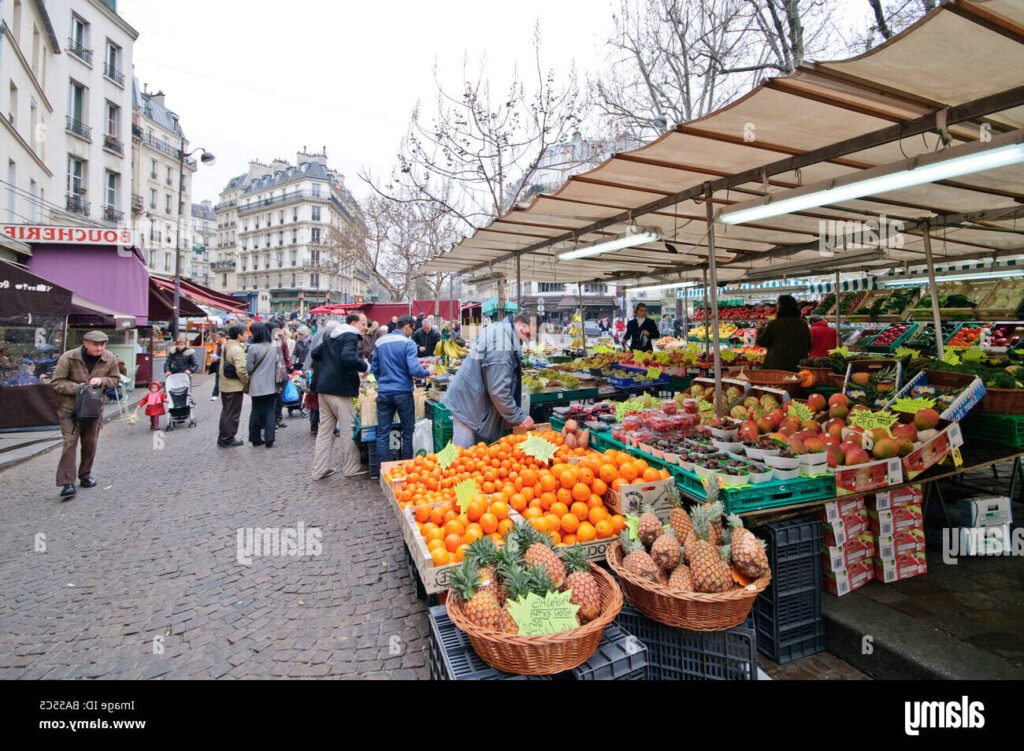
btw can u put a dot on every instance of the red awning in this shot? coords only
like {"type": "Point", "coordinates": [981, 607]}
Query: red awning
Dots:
{"type": "Point", "coordinates": [202, 295]}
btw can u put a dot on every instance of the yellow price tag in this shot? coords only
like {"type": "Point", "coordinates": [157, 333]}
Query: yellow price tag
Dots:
{"type": "Point", "coordinates": [958, 458]}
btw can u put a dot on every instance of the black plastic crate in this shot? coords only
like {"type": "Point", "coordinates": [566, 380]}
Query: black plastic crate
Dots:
{"type": "Point", "coordinates": [677, 654]}
{"type": "Point", "coordinates": [619, 657]}
{"type": "Point", "coordinates": [373, 461]}
{"type": "Point", "coordinates": [794, 554]}
{"type": "Point", "coordinates": [452, 657]}
{"type": "Point", "coordinates": [785, 611]}
{"type": "Point", "coordinates": [421, 592]}
{"type": "Point", "coordinates": [796, 643]}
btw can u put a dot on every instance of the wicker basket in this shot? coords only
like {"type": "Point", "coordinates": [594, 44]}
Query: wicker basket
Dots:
{"type": "Point", "coordinates": [821, 375]}
{"type": "Point", "coordinates": [1003, 401]}
{"type": "Point", "coordinates": [547, 654]}
{"type": "Point", "coordinates": [838, 380]}
{"type": "Point", "coordinates": [776, 379]}
{"type": "Point", "coordinates": [694, 611]}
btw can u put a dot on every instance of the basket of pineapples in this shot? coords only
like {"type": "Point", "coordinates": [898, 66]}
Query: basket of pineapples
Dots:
{"type": "Point", "coordinates": [492, 578]}
{"type": "Point", "coordinates": [695, 572]}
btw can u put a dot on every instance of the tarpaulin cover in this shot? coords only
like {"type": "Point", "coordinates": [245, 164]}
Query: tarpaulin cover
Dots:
{"type": "Point", "coordinates": [23, 294]}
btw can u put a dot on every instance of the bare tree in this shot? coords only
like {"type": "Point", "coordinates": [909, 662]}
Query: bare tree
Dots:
{"type": "Point", "coordinates": [474, 156]}
{"type": "Point", "coordinates": [891, 17]}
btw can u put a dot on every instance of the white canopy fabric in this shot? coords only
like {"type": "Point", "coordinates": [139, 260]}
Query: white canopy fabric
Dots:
{"type": "Point", "coordinates": [957, 55]}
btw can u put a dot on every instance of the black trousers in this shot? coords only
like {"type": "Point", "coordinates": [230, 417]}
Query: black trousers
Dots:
{"type": "Point", "coordinates": [262, 425]}
{"type": "Point", "coordinates": [230, 412]}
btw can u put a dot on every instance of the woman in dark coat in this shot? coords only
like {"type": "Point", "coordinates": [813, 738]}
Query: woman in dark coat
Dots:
{"type": "Point", "coordinates": [787, 338]}
{"type": "Point", "coordinates": [641, 331]}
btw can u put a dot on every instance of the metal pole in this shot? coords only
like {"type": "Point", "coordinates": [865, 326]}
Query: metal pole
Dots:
{"type": "Point", "coordinates": [713, 273]}
{"type": "Point", "coordinates": [519, 285]}
{"type": "Point", "coordinates": [707, 313]}
{"type": "Point", "coordinates": [177, 244]}
{"type": "Point", "coordinates": [839, 338]}
{"type": "Point", "coordinates": [936, 319]}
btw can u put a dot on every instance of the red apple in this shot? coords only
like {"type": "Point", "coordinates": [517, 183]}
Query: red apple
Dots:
{"type": "Point", "coordinates": [789, 426]}
{"type": "Point", "coordinates": [816, 402]}
{"type": "Point", "coordinates": [905, 430]}
{"type": "Point", "coordinates": [926, 419]}
{"type": "Point", "coordinates": [765, 425]}
{"type": "Point", "coordinates": [838, 400]}
{"type": "Point", "coordinates": [749, 431]}
{"type": "Point", "coordinates": [812, 425]}
{"type": "Point", "coordinates": [777, 416]}
{"type": "Point", "coordinates": [814, 445]}
{"type": "Point", "coordinates": [796, 445]}
{"type": "Point", "coordinates": [835, 427]}
{"type": "Point", "coordinates": [856, 456]}
{"type": "Point", "coordinates": [838, 412]}
{"type": "Point", "coordinates": [886, 448]}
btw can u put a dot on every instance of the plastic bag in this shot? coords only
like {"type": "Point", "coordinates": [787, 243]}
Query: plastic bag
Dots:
{"type": "Point", "coordinates": [423, 437]}
{"type": "Point", "coordinates": [291, 393]}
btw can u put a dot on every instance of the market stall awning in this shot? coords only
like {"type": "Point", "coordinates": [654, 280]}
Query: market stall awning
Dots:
{"type": "Point", "coordinates": [200, 295]}
{"type": "Point", "coordinates": [25, 295]}
{"type": "Point", "coordinates": [826, 121]}
{"type": "Point", "coordinates": [161, 303]}
{"type": "Point", "coordinates": [490, 306]}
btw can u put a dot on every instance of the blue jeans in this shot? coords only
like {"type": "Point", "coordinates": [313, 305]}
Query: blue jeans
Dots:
{"type": "Point", "coordinates": [387, 405]}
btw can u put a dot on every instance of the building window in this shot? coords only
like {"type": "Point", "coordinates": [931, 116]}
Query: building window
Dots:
{"type": "Point", "coordinates": [113, 120]}
{"type": "Point", "coordinates": [79, 35]}
{"type": "Point", "coordinates": [167, 261]}
{"type": "Point", "coordinates": [170, 176]}
{"type": "Point", "coordinates": [295, 257]}
{"type": "Point", "coordinates": [76, 176]}
{"type": "Point", "coordinates": [152, 171]}
{"type": "Point", "coordinates": [76, 110]}
{"type": "Point", "coordinates": [316, 213]}
{"type": "Point", "coordinates": [167, 203]}
{"type": "Point", "coordinates": [595, 289]}
{"type": "Point", "coordinates": [12, 196]}
{"type": "Point", "coordinates": [295, 236]}
{"type": "Point", "coordinates": [13, 113]}
{"type": "Point", "coordinates": [316, 190]}
{"type": "Point", "coordinates": [295, 215]}
{"type": "Point", "coordinates": [551, 287]}
{"type": "Point", "coordinates": [315, 236]}
{"type": "Point", "coordinates": [314, 281]}
{"type": "Point", "coordinates": [281, 217]}
{"type": "Point", "coordinates": [314, 258]}
{"type": "Point", "coordinates": [224, 280]}
{"type": "Point", "coordinates": [293, 281]}
{"type": "Point", "coordinates": [33, 208]}
{"type": "Point", "coordinates": [112, 186]}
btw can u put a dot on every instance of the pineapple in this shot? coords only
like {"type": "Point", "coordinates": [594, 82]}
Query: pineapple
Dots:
{"type": "Point", "coordinates": [680, 522]}
{"type": "Point", "coordinates": [706, 565]}
{"type": "Point", "coordinates": [748, 554]}
{"type": "Point", "coordinates": [681, 579]}
{"type": "Point", "coordinates": [480, 606]}
{"type": "Point", "coordinates": [636, 560]}
{"type": "Point", "coordinates": [665, 550]}
{"type": "Point", "coordinates": [484, 554]}
{"type": "Point", "coordinates": [539, 553]}
{"type": "Point", "coordinates": [649, 528]}
{"type": "Point", "coordinates": [585, 590]}
{"type": "Point", "coordinates": [714, 510]}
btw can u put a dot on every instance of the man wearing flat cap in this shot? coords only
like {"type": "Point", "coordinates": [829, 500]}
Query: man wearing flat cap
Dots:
{"type": "Point", "coordinates": [91, 364]}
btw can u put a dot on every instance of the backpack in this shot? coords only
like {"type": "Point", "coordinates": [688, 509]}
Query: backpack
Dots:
{"type": "Point", "coordinates": [88, 403]}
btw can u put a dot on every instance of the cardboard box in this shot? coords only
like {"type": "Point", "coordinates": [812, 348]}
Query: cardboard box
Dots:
{"type": "Point", "coordinates": [934, 450]}
{"type": "Point", "coordinates": [907, 542]}
{"type": "Point", "coordinates": [659, 495]}
{"type": "Point", "coordinates": [845, 556]}
{"type": "Point", "coordinates": [844, 581]}
{"type": "Point", "coordinates": [980, 512]}
{"type": "Point", "coordinates": [905, 566]}
{"type": "Point", "coordinates": [972, 394]}
{"type": "Point", "coordinates": [889, 522]}
{"type": "Point", "coordinates": [887, 499]}
{"type": "Point", "coordinates": [836, 511]}
{"type": "Point", "coordinates": [845, 522]}
{"type": "Point", "coordinates": [866, 477]}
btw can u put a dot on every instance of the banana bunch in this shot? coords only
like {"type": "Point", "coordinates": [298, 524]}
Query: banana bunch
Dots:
{"type": "Point", "coordinates": [450, 350]}
{"type": "Point", "coordinates": [576, 332]}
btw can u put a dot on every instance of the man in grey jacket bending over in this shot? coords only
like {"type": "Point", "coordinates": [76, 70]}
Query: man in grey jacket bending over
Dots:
{"type": "Point", "coordinates": [486, 395]}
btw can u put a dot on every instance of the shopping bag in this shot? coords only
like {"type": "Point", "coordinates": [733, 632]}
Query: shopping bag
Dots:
{"type": "Point", "coordinates": [291, 393]}
{"type": "Point", "coordinates": [423, 437]}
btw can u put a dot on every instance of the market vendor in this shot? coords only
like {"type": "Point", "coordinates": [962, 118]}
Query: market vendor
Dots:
{"type": "Point", "coordinates": [787, 338]}
{"type": "Point", "coordinates": [426, 338]}
{"type": "Point", "coordinates": [641, 331]}
{"type": "Point", "coordinates": [485, 396]}
{"type": "Point", "coordinates": [823, 337]}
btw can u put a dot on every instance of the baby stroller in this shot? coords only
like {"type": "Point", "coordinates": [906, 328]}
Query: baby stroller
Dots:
{"type": "Point", "coordinates": [291, 397]}
{"type": "Point", "coordinates": [183, 406]}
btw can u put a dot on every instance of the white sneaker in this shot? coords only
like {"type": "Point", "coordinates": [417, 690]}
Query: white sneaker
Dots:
{"type": "Point", "coordinates": [213, 398]}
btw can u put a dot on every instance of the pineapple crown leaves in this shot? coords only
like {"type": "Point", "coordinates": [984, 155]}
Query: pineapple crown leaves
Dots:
{"type": "Point", "coordinates": [666, 529]}
{"type": "Point", "coordinates": [517, 583]}
{"type": "Point", "coordinates": [712, 487]}
{"type": "Point", "coordinates": [508, 557]}
{"type": "Point", "coordinates": [465, 580]}
{"type": "Point", "coordinates": [727, 535]}
{"type": "Point", "coordinates": [540, 581]}
{"type": "Point", "coordinates": [575, 560]}
{"type": "Point", "coordinates": [482, 552]}
{"type": "Point", "coordinates": [715, 511]}
{"type": "Point", "coordinates": [630, 544]}
{"type": "Point", "coordinates": [726, 552]}
{"type": "Point", "coordinates": [699, 518]}
{"type": "Point", "coordinates": [734, 520]}
{"type": "Point", "coordinates": [525, 535]}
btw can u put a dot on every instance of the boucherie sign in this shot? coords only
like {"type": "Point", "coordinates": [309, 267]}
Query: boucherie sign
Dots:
{"type": "Point", "coordinates": [30, 233]}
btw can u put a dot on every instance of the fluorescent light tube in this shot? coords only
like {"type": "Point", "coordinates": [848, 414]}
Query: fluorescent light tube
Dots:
{"type": "Point", "coordinates": [660, 287]}
{"type": "Point", "coordinates": [609, 246]}
{"type": "Point", "coordinates": [1002, 151]}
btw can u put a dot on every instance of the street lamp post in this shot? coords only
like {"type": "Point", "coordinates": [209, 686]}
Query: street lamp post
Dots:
{"type": "Point", "coordinates": [208, 159]}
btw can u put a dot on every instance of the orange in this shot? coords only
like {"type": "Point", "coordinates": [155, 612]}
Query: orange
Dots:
{"type": "Point", "coordinates": [586, 532]}
{"type": "Point", "coordinates": [580, 492]}
{"type": "Point", "coordinates": [489, 523]}
{"type": "Point", "coordinates": [528, 493]}
{"type": "Point", "coordinates": [618, 523]}
{"type": "Point", "coordinates": [580, 510]}
{"type": "Point", "coordinates": [629, 471]}
{"type": "Point", "coordinates": [564, 495]}
{"type": "Point", "coordinates": [500, 510]}
{"type": "Point", "coordinates": [487, 487]}
{"type": "Point", "coordinates": [450, 514]}
{"type": "Point", "coordinates": [586, 475]}
{"type": "Point", "coordinates": [505, 526]}
{"type": "Point", "coordinates": [453, 527]}
{"type": "Point", "coordinates": [547, 500]}
{"type": "Point", "coordinates": [554, 522]}
{"type": "Point", "coordinates": [437, 516]}
{"type": "Point", "coordinates": [440, 557]}
{"type": "Point", "coordinates": [530, 477]}
{"type": "Point", "coordinates": [651, 475]}
{"type": "Point", "coordinates": [595, 502]}
{"type": "Point", "coordinates": [599, 487]}
{"type": "Point", "coordinates": [536, 503]}
{"type": "Point", "coordinates": [434, 533]}
{"type": "Point", "coordinates": [556, 539]}
{"type": "Point", "coordinates": [568, 539]}
{"type": "Point", "coordinates": [664, 474]}
{"type": "Point", "coordinates": [608, 472]}
{"type": "Point", "coordinates": [517, 501]}
{"type": "Point", "coordinates": [548, 482]}
{"type": "Point", "coordinates": [422, 513]}
{"type": "Point", "coordinates": [641, 465]}
{"type": "Point", "coordinates": [452, 542]}
{"type": "Point", "coordinates": [435, 544]}
{"type": "Point", "coordinates": [540, 523]}
{"type": "Point", "coordinates": [570, 523]}
{"type": "Point", "coordinates": [568, 478]}
{"type": "Point", "coordinates": [533, 512]}
{"type": "Point", "coordinates": [604, 529]}
{"type": "Point", "coordinates": [496, 538]}
{"type": "Point", "coordinates": [463, 520]}
{"type": "Point", "coordinates": [617, 483]}
{"type": "Point", "coordinates": [475, 510]}
{"type": "Point", "coordinates": [597, 515]}
{"type": "Point", "coordinates": [460, 554]}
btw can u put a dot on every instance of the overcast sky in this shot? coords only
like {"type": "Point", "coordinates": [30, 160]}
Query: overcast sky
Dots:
{"type": "Point", "coordinates": [260, 79]}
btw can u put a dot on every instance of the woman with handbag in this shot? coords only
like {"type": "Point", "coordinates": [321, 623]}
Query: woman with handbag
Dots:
{"type": "Point", "coordinates": [282, 370]}
{"type": "Point", "coordinates": [261, 363]}
{"type": "Point", "coordinates": [234, 380]}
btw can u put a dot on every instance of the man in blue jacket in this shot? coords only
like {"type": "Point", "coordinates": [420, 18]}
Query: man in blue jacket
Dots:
{"type": "Point", "coordinates": [395, 364]}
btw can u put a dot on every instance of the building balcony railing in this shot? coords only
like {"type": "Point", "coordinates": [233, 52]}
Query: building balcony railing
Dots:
{"type": "Point", "coordinates": [114, 144]}
{"type": "Point", "coordinates": [136, 131]}
{"type": "Point", "coordinates": [137, 202]}
{"type": "Point", "coordinates": [80, 52]}
{"type": "Point", "coordinates": [171, 151]}
{"type": "Point", "coordinates": [297, 195]}
{"type": "Point", "coordinates": [222, 266]}
{"type": "Point", "coordinates": [80, 129]}
{"type": "Point", "coordinates": [110, 214]}
{"type": "Point", "coordinates": [113, 74]}
{"type": "Point", "coordinates": [225, 205]}
{"type": "Point", "coordinates": [77, 204]}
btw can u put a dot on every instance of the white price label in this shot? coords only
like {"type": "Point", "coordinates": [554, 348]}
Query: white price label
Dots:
{"type": "Point", "coordinates": [844, 586]}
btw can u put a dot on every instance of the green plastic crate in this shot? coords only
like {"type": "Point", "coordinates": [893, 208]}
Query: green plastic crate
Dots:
{"type": "Point", "coordinates": [896, 344]}
{"type": "Point", "coordinates": [442, 428]}
{"type": "Point", "coordinates": [763, 496]}
{"type": "Point", "coordinates": [1006, 430]}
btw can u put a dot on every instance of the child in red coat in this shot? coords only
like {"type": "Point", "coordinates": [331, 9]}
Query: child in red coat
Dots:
{"type": "Point", "coordinates": [154, 401]}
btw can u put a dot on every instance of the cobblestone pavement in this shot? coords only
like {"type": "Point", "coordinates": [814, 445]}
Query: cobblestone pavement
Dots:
{"type": "Point", "coordinates": [140, 576]}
